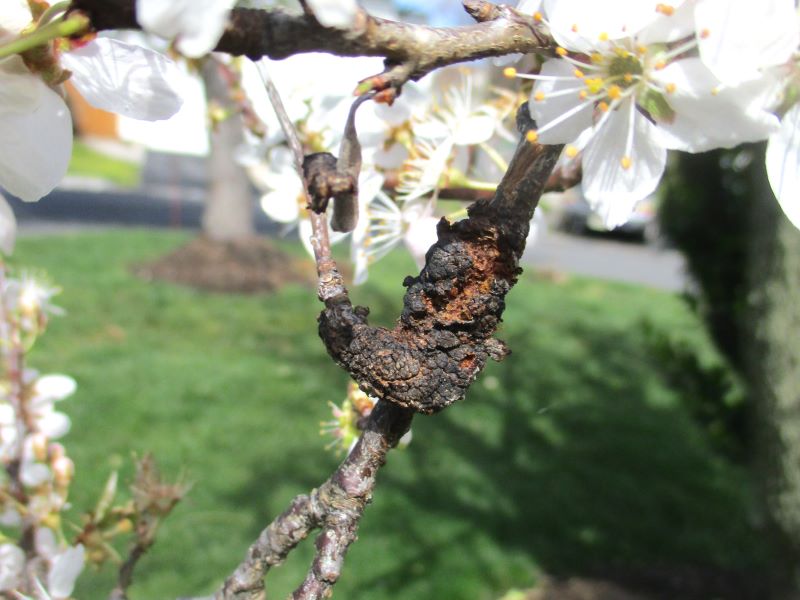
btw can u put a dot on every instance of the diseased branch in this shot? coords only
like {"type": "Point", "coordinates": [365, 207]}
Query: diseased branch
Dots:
{"type": "Point", "coordinates": [452, 309]}
{"type": "Point", "coordinates": [428, 361]}
{"type": "Point", "coordinates": [411, 51]}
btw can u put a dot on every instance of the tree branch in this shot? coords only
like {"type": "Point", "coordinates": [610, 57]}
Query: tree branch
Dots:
{"type": "Point", "coordinates": [336, 507]}
{"type": "Point", "coordinates": [411, 51]}
{"type": "Point", "coordinates": [452, 309]}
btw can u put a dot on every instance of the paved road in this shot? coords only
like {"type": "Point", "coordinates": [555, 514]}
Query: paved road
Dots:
{"type": "Point", "coordinates": [609, 258]}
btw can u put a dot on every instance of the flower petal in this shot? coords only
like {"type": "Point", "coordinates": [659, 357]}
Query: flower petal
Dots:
{"type": "Point", "coordinates": [34, 474]}
{"type": "Point", "coordinates": [12, 563]}
{"type": "Point", "coordinates": [671, 27]}
{"type": "Point", "coordinates": [334, 13]}
{"type": "Point", "coordinates": [475, 129]}
{"type": "Point", "coordinates": [708, 115]}
{"type": "Point", "coordinates": [65, 569]}
{"type": "Point", "coordinates": [281, 205]}
{"type": "Point", "coordinates": [612, 190]}
{"type": "Point", "coordinates": [53, 424]}
{"type": "Point", "coordinates": [196, 25]}
{"type": "Point", "coordinates": [46, 543]}
{"type": "Point", "coordinates": [579, 24]}
{"type": "Point", "coordinates": [783, 164]}
{"type": "Point", "coordinates": [8, 227]}
{"type": "Point", "coordinates": [551, 108]}
{"type": "Point", "coordinates": [54, 387]}
{"type": "Point", "coordinates": [37, 136]}
{"type": "Point", "coordinates": [126, 79]}
{"type": "Point", "coordinates": [14, 17]}
{"type": "Point", "coordinates": [420, 236]}
{"type": "Point", "coordinates": [739, 38]}
{"type": "Point", "coordinates": [528, 6]}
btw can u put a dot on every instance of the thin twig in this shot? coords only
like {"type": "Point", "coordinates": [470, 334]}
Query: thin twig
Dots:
{"type": "Point", "coordinates": [330, 281]}
{"type": "Point", "coordinates": [337, 506]}
{"type": "Point", "coordinates": [126, 570]}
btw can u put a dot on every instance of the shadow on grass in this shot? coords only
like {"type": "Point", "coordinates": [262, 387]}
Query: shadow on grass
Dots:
{"type": "Point", "coordinates": [577, 459]}
{"type": "Point", "coordinates": [574, 456]}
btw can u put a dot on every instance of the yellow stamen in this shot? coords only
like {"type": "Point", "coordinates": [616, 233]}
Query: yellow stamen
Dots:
{"type": "Point", "coordinates": [532, 136]}
{"type": "Point", "coordinates": [578, 73]}
{"type": "Point", "coordinates": [627, 77]}
{"type": "Point", "coordinates": [614, 92]}
{"type": "Point", "coordinates": [597, 58]}
{"type": "Point", "coordinates": [626, 162]}
{"type": "Point", "coordinates": [538, 96]}
{"type": "Point", "coordinates": [537, 16]}
{"type": "Point", "coordinates": [660, 65]}
{"type": "Point", "coordinates": [561, 51]}
{"type": "Point", "coordinates": [594, 84]}
{"type": "Point", "coordinates": [603, 106]}
{"type": "Point", "coordinates": [670, 87]}
{"type": "Point", "coordinates": [582, 94]}
{"type": "Point", "coordinates": [574, 28]}
{"type": "Point", "coordinates": [510, 72]}
{"type": "Point", "coordinates": [571, 151]}
{"type": "Point", "coordinates": [714, 91]}
{"type": "Point", "coordinates": [603, 37]}
{"type": "Point", "coordinates": [641, 49]}
{"type": "Point", "coordinates": [704, 33]}
{"type": "Point", "coordinates": [665, 9]}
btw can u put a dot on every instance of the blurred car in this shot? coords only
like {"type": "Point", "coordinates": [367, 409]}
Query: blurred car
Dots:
{"type": "Point", "coordinates": [573, 214]}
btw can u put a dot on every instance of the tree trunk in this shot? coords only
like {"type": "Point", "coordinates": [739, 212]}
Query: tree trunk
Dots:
{"type": "Point", "coordinates": [228, 214]}
{"type": "Point", "coordinates": [745, 256]}
{"type": "Point", "coordinates": [772, 369]}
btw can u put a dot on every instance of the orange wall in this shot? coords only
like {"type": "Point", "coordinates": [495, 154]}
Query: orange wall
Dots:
{"type": "Point", "coordinates": [89, 120]}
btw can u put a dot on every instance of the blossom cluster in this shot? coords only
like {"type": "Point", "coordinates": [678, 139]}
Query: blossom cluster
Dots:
{"type": "Point", "coordinates": [37, 472]}
{"type": "Point", "coordinates": [632, 79]}
{"type": "Point", "coordinates": [41, 556]}
{"type": "Point", "coordinates": [412, 151]}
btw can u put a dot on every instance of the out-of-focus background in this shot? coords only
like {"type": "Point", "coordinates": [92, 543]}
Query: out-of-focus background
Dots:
{"type": "Point", "coordinates": [615, 455]}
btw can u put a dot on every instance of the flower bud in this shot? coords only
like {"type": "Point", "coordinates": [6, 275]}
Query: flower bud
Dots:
{"type": "Point", "coordinates": [56, 451]}
{"type": "Point", "coordinates": [63, 469]}
{"type": "Point", "coordinates": [39, 446]}
{"type": "Point", "coordinates": [124, 526]}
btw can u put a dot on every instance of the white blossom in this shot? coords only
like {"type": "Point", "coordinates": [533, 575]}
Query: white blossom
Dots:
{"type": "Point", "coordinates": [626, 95]}
{"type": "Point", "coordinates": [36, 129]}
{"type": "Point", "coordinates": [8, 227]}
{"type": "Point", "coordinates": [12, 564]}
{"type": "Point", "coordinates": [35, 124]}
{"type": "Point", "coordinates": [284, 200]}
{"type": "Point", "coordinates": [383, 224]}
{"type": "Point", "coordinates": [738, 39]}
{"type": "Point", "coordinates": [65, 563]}
{"type": "Point", "coordinates": [195, 25]}
{"type": "Point", "coordinates": [64, 571]}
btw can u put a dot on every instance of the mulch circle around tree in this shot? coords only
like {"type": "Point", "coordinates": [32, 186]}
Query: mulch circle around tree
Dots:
{"type": "Point", "coordinates": [248, 266]}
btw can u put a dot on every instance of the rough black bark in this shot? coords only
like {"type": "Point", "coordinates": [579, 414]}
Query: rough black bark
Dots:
{"type": "Point", "coordinates": [452, 309]}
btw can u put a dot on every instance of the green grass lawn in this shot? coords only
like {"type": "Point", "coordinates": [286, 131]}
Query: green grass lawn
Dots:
{"type": "Point", "coordinates": [572, 454]}
{"type": "Point", "coordinates": [86, 162]}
